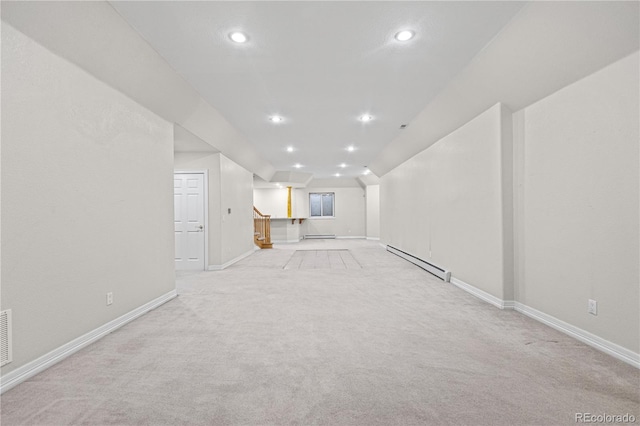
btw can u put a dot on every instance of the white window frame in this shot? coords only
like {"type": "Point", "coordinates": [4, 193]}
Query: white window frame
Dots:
{"type": "Point", "coordinates": [333, 205]}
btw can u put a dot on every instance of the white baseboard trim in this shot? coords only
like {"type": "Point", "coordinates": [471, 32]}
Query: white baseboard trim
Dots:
{"type": "Point", "coordinates": [480, 294]}
{"type": "Point", "coordinates": [610, 348]}
{"type": "Point", "coordinates": [508, 304]}
{"type": "Point", "coordinates": [349, 237]}
{"type": "Point", "coordinates": [616, 351]}
{"type": "Point", "coordinates": [232, 261]}
{"type": "Point", "coordinates": [373, 238]}
{"type": "Point", "coordinates": [40, 364]}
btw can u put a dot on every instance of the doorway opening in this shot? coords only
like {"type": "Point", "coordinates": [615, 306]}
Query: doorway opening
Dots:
{"type": "Point", "coordinates": [190, 220]}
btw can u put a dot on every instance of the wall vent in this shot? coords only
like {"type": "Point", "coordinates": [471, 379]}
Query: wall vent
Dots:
{"type": "Point", "coordinates": [427, 266]}
{"type": "Point", "coordinates": [6, 354]}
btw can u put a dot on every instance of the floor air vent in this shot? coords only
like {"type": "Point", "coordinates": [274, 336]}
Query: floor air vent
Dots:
{"type": "Point", "coordinates": [6, 355]}
{"type": "Point", "coordinates": [429, 267]}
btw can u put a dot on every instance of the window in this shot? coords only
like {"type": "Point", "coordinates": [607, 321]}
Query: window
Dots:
{"type": "Point", "coordinates": [321, 204]}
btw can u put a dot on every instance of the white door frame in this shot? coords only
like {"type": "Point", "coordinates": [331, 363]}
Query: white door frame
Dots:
{"type": "Point", "coordinates": [205, 189]}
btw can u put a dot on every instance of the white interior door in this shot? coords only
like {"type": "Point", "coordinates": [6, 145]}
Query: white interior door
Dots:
{"type": "Point", "coordinates": [188, 195]}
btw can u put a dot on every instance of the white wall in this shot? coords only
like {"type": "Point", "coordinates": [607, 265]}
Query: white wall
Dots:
{"type": "Point", "coordinates": [274, 201]}
{"type": "Point", "coordinates": [570, 192]}
{"type": "Point", "coordinates": [93, 35]}
{"type": "Point", "coordinates": [446, 203]}
{"type": "Point", "coordinates": [546, 46]}
{"type": "Point", "coordinates": [372, 194]}
{"type": "Point", "coordinates": [236, 195]}
{"type": "Point", "coordinates": [230, 187]}
{"type": "Point", "coordinates": [350, 205]}
{"type": "Point", "coordinates": [87, 204]}
{"type": "Point", "coordinates": [198, 161]}
{"type": "Point", "coordinates": [349, 211]}
{"type": "Point", "coordinates": [578, 203]}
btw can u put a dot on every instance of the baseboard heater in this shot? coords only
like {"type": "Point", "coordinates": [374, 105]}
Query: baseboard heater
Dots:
{"type": "Point", "coordinates": [317, 236]}
{"type": "Point", "coordinates": [427, 266]}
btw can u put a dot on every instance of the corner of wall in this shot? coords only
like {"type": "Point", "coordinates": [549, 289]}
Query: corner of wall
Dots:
{"type": "Point", "coordinates": [506, 171]}
{"type": "Point", "coordinates": [518, 141]}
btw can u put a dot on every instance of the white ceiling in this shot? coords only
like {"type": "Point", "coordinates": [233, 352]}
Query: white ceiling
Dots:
{"type": "Point", "coordinates": [320, 65]}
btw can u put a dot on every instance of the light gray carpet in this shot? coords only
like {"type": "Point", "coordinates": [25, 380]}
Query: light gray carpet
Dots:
{"type": "Point", "coordinates": [322, 259]}
{"type": "Point", "coordinates": [384, 344]}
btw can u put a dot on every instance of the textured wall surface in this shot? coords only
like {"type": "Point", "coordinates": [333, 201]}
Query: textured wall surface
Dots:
{"type": "Point", "coordinates": [580, 203]}
{"type": "Point", "coordinates": [87, 204]}
{"type": "Point", "coordinates": [445, 204]}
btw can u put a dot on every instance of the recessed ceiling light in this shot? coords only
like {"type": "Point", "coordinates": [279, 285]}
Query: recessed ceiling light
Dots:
{"type": "Point", "coordinates": [289, 149]}
{"type": "Point", "coordinates": [276, 119]}
{"type": "Point", "coordinates": [366, 172]}
{"type": "Point", "coordinates": [404, 35]}
{"type": "Point", "coordinates": [297, 165]}
{"type": "Point", "coordinates": [365, 118]}
{"type": "Point", "coordinates": [343, 165]}
{"type": "Point", "coordinates": [351, 148]}
{"type": "Point", "coordinates": [337, 175]}
{"type": "Point", "coordinates": [238, 37]}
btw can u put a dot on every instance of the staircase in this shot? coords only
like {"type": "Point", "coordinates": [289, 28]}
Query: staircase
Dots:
{"type": "Point", "coordinates": [262, 229]}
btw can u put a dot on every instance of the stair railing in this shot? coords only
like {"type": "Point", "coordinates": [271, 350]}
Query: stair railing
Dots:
{"type": "Point", "coordinates": [262, 228]}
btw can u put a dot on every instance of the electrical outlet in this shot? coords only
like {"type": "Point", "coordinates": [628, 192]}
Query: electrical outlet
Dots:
{"type": "Point", "coordinates": [593, 307]}
{"type": "Point", "coordinates": [109, 298]}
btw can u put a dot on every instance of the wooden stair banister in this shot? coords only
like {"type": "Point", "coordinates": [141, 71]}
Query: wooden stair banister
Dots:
{"type": "Point", "coordinates": [262, 229]}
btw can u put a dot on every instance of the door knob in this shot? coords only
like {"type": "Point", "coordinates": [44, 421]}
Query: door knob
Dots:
{"type": "Point", "coordinates": [200, 227]}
